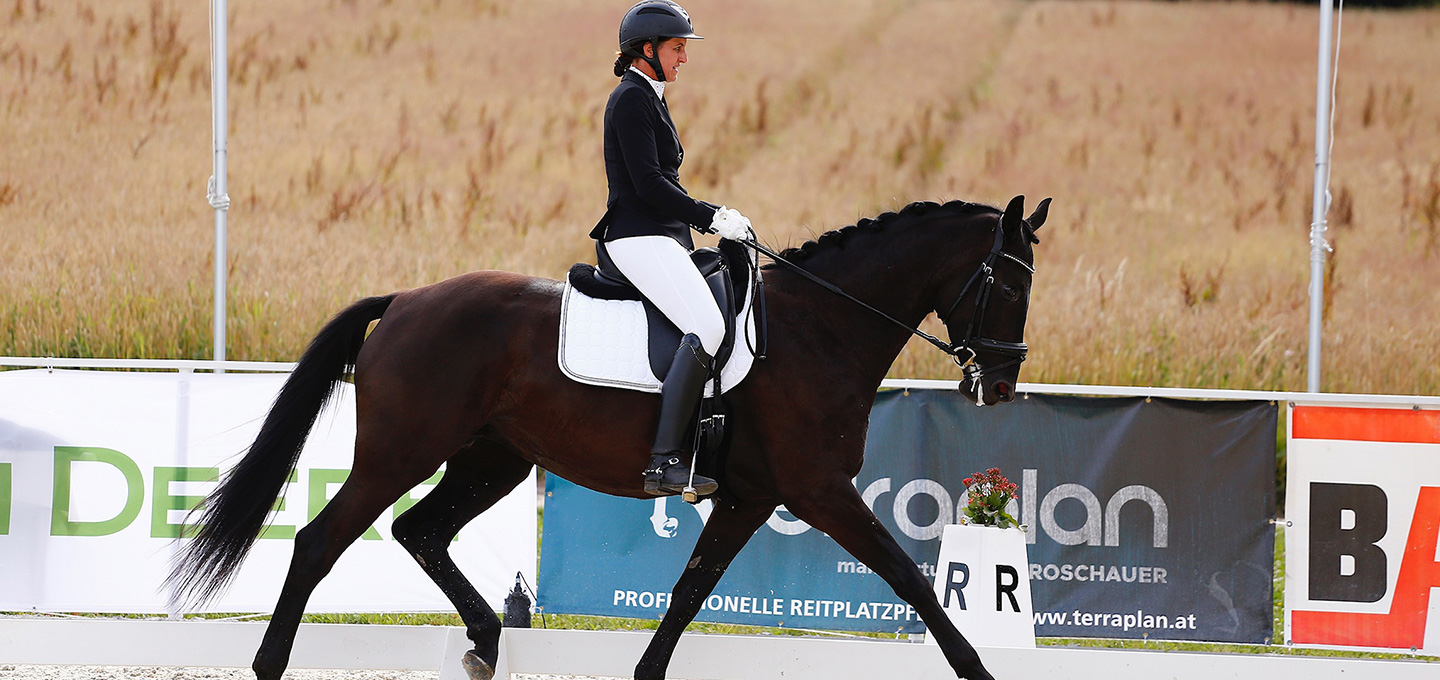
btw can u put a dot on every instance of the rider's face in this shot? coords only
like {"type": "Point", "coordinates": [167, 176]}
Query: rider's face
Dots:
{"type": "Point", "coordinates": [672, 55]}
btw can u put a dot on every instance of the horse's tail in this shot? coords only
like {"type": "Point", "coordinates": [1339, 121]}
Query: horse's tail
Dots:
{"type": "Point", "coordinates": [232, 517]}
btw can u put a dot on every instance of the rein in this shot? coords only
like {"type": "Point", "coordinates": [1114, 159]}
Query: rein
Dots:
{"type": "Point", "coordinates": [971, 341]}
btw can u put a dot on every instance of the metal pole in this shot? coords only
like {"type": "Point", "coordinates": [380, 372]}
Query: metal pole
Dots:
{"type": "Point", "coordinates": [219, 199]}
{"type": "Point", "coordinates": [1321, 204]}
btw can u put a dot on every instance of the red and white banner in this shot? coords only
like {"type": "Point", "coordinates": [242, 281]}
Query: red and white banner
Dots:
{"type": "Point", "coordinates": [1363, 513]}
{"type": "Point", "coordinates": [97, 471]}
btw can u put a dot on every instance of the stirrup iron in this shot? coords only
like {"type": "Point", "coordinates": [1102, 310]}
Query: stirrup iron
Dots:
{"type": "Point", "coordinates": [689, 495]}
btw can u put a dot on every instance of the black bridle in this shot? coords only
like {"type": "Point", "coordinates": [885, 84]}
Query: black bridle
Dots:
{"type": "Point", "coordinates": [972, 342]}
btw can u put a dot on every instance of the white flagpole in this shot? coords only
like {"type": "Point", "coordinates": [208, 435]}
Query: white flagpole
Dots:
{"type": "Point", "coordinates": [1321, 204]}
{"type": "Point", "coordinates": [217, 195]}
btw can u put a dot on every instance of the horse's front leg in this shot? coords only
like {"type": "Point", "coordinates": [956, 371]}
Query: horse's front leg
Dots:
{"type": "Point", "coordinates": [730, 526]}
{"type": "Point", "coordinates": [840, 512]}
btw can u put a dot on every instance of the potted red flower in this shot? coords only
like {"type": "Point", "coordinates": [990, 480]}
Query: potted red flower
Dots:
{"type": "Point", "coordinates": [987, 495]}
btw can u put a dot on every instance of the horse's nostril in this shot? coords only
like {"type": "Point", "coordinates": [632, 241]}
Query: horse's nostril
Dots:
{"type": "Point", "coordinates": [1002, 390]}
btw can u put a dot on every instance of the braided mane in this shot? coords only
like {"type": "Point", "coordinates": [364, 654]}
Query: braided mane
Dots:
{"type": "Point", "coordinates": [836, 238]}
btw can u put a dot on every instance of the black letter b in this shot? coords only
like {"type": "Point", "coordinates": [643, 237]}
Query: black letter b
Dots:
{"type": "Point", "coordinates": [1329, 542]}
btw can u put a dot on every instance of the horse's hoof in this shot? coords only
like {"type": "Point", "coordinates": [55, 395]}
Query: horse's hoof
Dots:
{"type": "Point", "coordinates": [475, 667]}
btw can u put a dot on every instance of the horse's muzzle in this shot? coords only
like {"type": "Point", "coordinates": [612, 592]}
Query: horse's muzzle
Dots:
{"type": "Point", "coordinates": [987, 392]}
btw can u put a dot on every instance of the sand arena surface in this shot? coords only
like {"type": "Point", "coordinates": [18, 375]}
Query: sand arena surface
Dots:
{"type": "Point", "coordinates": [28, 672]}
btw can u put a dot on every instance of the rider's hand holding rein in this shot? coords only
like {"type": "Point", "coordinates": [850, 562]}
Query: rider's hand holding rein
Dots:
{"type": "Point", "coordinates": [729, 223]}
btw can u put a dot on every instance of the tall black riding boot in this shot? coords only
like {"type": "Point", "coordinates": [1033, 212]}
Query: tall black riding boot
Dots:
{"type": "Point", "coordinates": [669, 471]}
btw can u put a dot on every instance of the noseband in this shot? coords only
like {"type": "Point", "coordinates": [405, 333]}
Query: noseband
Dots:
{"type": "Point", "coordinates": [972, 342]}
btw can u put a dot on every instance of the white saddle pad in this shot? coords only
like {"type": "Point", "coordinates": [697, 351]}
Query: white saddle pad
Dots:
{"type": "Point", "coordinates": [606, 343]}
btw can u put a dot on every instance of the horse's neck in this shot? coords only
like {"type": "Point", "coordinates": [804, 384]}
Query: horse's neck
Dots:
{"type": "Point", "coordinates": [895, 276]}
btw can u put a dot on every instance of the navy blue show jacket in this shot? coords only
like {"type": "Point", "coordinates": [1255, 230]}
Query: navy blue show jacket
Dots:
{"type": "Point", "coordinates": [642, 165]}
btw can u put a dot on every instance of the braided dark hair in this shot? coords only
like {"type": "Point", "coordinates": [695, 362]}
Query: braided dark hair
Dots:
{"type": "Point", "coordinates": [622, 63]}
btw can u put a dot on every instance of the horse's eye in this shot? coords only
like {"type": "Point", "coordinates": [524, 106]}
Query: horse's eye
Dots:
{"type": "Point", "coordinates": [1011, 292]}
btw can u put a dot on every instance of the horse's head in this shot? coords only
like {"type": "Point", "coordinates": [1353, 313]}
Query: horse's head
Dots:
{"type": "Point", "coordinates": [986, 319]}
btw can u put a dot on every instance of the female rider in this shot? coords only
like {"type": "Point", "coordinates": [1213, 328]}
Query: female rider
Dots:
{"type": "Point", "coordinates": [647, 222]}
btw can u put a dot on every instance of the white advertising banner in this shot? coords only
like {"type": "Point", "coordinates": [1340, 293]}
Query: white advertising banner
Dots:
{"type": "Point", "coordinates": [1363, 518]}
{"type": "Point", "coordinates": [98, 469]}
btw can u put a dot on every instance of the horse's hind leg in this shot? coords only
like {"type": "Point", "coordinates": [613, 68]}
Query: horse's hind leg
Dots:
{"type": "Point", "coordinates": [365, 494]}
{"type": "Point", "coordinates": [840, 512]}
{"type": "Point", "coordinates": [475, 479]}
{"type": "Point", "coordinates": [730, 526]}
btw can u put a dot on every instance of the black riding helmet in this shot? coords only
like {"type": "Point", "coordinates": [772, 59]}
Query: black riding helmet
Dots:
{"type": "Point", "coordinates": [654, 22]}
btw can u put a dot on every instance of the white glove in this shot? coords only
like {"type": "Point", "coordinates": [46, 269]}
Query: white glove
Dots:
{"type": "Point", "coordinates": [729, 223]}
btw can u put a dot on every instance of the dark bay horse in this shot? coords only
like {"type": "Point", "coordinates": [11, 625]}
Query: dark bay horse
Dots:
{"type": "Point", "coordinates": [464, 373]}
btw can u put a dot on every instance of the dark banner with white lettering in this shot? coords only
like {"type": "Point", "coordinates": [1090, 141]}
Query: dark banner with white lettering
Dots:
{"type": "Point", "coordinates": [1146, 518]}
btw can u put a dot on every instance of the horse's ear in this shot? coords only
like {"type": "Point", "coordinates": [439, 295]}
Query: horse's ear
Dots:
{"type": "Point", "coordinates": [1010, 219]}
{"type": "Point", "coordinates": [1037, 218]}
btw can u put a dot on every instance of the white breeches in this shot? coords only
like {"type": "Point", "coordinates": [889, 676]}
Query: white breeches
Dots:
{"type": "Point", "coordinates": [661, 268]}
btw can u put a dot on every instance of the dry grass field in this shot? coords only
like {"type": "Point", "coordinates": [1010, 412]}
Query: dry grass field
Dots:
{"type": "Point", "coordinates": [385, 144]}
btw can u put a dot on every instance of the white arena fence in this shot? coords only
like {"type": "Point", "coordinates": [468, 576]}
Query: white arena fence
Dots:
{"type": "Point", "coordinates": [533, 651]}
{"type": "Point", "coordinates": [28, 639]}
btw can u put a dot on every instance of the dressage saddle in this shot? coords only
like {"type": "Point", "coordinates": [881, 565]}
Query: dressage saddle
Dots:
{"type": "Point", "coordinates": [726, 269]}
